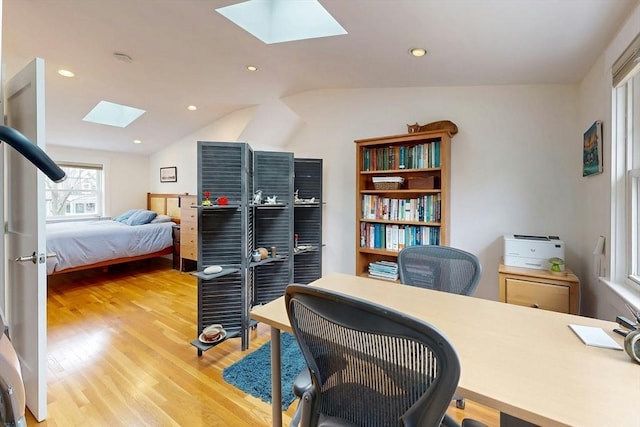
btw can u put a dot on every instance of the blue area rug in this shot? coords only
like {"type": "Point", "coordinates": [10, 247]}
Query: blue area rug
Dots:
{"type": "Point", "coordinates": [252, 373]}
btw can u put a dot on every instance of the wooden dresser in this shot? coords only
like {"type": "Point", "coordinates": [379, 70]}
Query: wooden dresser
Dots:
{"type": "Point", "coordinates": [188, 229]}
{"type": "Point", "coordinates": [539, 289]}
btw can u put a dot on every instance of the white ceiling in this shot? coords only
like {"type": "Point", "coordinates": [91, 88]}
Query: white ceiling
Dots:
{"type": "Point", "coordinates": [186, 53]}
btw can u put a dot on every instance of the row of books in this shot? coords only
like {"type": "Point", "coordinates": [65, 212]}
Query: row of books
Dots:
{"type": "Point", "coordinates": [417, 156]}
{"type": "Point", "coordinates": [394, 237]}
{"type": "Point", "coordinates": [422, 209]}
{"type": "Point", "coordinates": [386, 270]}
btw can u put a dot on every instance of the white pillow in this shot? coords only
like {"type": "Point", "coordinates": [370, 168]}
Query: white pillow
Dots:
{"type": "Point", "coordinates": [161, 218]}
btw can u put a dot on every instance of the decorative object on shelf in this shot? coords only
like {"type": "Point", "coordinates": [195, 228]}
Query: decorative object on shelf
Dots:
{"type": "Point", "coordinates": [169, 174]}
{"type": "Point", "coordinates": [257, 197]}
{"type": "Point", "coordinates": [306, 201]}
{"type": "Point", "coordinates": [212, 334]}
{"type": "Point", "coordinates": [222, 201]}
{"type": "Point", "coordinates": [592, 150]}
{"type": "Point", "coordinates": [206, 201]}
{"type": "Point", "coordinates": [557, 265]}
{"type": "Point", "coordinates": [212, 269]}
{"type": "Point", "coordinates": [263, 253]}
{"type": "Point", "coordinates": [256, 256]}
{"type": "Point", "coordinates": [439, 125]}
{"type": "Point", "coordinates": [295, 241]}
{"type": "Point", "coordinates": [272, 200]}
{"type": "Point", "coordinates": [296, 198]}
{"type": "Point", "coordinates": [274, 252]}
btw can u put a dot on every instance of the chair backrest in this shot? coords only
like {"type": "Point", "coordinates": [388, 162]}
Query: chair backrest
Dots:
{"type": "Point", "coordinates": [370, 365]}
{"type": "Point", "coordinates": [442, 268]}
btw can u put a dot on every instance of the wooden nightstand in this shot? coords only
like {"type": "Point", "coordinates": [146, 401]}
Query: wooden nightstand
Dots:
{"type": "Point", "coordinates": [539, 289]}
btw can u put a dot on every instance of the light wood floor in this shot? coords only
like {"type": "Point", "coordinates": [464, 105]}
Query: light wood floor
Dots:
{"type": "Point", "coordinates": [119, 355]}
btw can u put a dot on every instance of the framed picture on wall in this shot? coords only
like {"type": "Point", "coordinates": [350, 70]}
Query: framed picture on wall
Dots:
{"type": "Point", "coordinates": [592, 150]}
{"type": "Point", "coordinates": [169, 174]}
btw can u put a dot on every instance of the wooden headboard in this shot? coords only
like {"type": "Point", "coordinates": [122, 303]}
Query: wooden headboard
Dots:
{"type": "Point", "coordinates": [165, 204]}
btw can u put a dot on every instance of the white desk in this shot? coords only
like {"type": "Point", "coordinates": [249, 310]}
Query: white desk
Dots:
{"type": "Point", "coordinates": [521, 361]}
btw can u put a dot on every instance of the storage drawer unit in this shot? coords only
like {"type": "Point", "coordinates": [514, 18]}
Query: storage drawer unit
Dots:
{"type": "Point", "coordinates": [188, 229]}
{"type": "Point", "coordinates": [539, 289]}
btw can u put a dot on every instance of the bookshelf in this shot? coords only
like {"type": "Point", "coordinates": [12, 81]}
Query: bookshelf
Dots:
{"type": "Point", "coordinates": [409, 202]}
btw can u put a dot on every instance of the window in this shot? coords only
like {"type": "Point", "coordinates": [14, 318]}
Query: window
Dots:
{"type": "Point", "coordinates": [80, 195]}
{"type": "Point", "coordinates": [625, 167]}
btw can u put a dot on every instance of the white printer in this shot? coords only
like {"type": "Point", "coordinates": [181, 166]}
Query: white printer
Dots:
{"type": "Point", "coordinates": [531, 251]}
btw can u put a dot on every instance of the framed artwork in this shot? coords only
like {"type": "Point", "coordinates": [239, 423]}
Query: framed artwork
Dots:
{"type": "Point", "coordinates": [592, 150]}
{"type": "Point", "coordinates": [169, 174]}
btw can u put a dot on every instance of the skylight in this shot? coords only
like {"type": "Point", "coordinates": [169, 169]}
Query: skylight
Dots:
{"type": "Point", "coordinates": [108, 113]}
{"type": "Point", "coordinates": [278, 21]}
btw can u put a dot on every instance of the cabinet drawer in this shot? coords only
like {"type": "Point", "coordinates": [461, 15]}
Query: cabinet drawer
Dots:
{"type": "Point", "coordinates": [189, 239]}
{"type": "Point", "coordinates": [188, 215]}
{"type": "Point", "coordinates": [189, 251]}
{"type": "Point", "coordinates": [538, 295]}
{"type": "Point", "coordinates": [188, 230]}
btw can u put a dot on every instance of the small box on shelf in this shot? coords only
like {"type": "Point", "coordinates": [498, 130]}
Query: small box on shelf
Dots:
{"type": "Point", "coordinates": [387, 182]}
{"type": "Point", "coordinates": [422, 182]}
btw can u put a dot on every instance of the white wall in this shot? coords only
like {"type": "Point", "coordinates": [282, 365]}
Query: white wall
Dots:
{"type": "Point", "coordinates": [594, 193]}
{"type": "Point", "coordinates": [126, 175]}
{"type": "Point", "coordinates": [515, 160]}
{"type": "Point", "coordinates": [183, 153]}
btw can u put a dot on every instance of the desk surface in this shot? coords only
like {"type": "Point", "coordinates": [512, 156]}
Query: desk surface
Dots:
{"type": "Point", "coordinates": [521, 361]}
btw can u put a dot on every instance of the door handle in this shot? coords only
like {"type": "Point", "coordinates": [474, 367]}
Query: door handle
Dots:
{"type": "Point", "coordinates": [34, 258]}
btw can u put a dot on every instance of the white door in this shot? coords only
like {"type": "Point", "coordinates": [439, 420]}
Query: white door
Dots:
{"type": "Point", "coordinates": [25, 203]}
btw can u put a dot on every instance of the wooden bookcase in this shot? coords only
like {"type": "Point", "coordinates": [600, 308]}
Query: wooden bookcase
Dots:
{"type": "Point", "coordinates": [418, 211]}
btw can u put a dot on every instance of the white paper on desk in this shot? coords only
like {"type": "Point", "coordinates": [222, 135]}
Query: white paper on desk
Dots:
{"type": "Point", "coordinates": [595, 336]}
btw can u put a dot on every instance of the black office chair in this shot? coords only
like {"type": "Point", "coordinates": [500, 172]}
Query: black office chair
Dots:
{"type": "Point", "coordinates": [370, 365]}
{"type": "Point", "coordinates": [441, 268]}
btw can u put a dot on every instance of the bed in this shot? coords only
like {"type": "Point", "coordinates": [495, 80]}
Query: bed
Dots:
{"type": "Point", "coordinates": [129, 237]}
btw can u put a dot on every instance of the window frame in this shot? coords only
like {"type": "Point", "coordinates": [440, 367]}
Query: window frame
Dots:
{"type": "Point", "coordinates": [625, 169]}
{"type": "Point", "coordinates": [99, 193]}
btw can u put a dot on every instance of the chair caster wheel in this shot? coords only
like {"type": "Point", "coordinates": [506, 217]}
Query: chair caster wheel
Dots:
{"type": "Point", "coordinates": [460, 404]}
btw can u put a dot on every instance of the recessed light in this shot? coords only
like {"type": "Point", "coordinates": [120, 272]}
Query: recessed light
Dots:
{"type": "Point", "coordinates": [192, 108]}
{"type": "Point", "coordinates": [137, 141]}
{"type": "Point", "coordinates": [252, 68]}
{"type": "Point", "coordinates": [418, 51]}
{"type": "Point", "coordinates": [66, 73]}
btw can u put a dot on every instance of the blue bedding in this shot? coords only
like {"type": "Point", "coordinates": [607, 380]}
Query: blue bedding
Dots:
{"type": "Point", "coordinates": [83, 243]}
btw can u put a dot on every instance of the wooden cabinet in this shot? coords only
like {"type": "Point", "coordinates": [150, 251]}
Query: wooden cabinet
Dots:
{"type": "Point", "coordinates": [188, 229]}
{"type": "Point", "coordinates": [391, 216]}
{"type": "Point", "coordinates": [540, 289]}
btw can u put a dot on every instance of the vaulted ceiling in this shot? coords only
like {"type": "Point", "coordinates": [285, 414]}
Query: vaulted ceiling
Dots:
{"type": "Point", "coordinates": [185, 53]}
